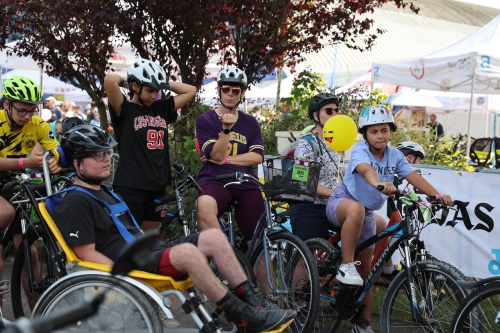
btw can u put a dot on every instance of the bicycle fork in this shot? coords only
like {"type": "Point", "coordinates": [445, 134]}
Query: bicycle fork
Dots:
{"type": "Point", "coordinates": [418, 313]}
{"type": "Point", "coordinates": [33, 286]}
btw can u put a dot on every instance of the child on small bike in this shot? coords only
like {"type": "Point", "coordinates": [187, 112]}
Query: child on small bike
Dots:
{"type": "Point", "coordinates": [353, 202]}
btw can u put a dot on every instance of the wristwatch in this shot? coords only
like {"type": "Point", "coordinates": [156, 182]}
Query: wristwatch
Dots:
{"type": "Point", "coordinates": [226, 130]}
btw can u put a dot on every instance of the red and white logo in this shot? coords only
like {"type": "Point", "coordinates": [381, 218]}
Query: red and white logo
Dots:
{"type": "Point", "coordinates": [417, 71]}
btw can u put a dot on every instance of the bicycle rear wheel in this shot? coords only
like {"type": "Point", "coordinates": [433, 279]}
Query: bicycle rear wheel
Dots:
{"type": "Point", "coordinates": [326, 256]}
{"type": "Point", "coordinates": [480, 311]}
{"type": "Point", "coordinates": [125, 308]}
{"type": "Point", "coordinates": [44, 271]}
{"type": "Point", "coordinates": [438, 297]}
{"type": "Point", "coordinates": [294, 275]}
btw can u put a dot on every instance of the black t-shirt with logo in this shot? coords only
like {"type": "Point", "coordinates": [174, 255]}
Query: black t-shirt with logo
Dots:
{"type": "Point", "coordinates": [142, 138]}
{"type": "Point", "coordinates": [83, 220]}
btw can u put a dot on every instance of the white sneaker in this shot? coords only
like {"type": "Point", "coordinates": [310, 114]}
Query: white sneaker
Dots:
{"type": "Point", "coordinates": [359, 329]}
{"type": "Point", "coordinates": [349, 275]}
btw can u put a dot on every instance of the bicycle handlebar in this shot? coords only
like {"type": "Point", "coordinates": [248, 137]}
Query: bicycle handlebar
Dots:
{"type": "Point", "coordinates": [179, 168]}
{"type": "Point", "coordinates": [229, 176]}
{"type": "Point", "coordinates": [15, 186]}
{"type": "Point", "coordinates": [48, 324]}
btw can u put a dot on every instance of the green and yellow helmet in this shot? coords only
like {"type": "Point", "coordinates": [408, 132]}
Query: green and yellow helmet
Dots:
{"type": "Point", "coordinates": [22, 89]}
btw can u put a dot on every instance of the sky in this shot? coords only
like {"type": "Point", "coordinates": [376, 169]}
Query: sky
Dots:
{"type": "Point", "coordinates": [487, 3]}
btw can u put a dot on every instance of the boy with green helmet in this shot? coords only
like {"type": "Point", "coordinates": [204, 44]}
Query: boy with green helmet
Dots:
{"type": "Point", "coordinates": [20, 131]}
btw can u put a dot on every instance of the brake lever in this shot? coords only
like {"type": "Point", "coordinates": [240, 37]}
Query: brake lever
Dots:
{"type": "Point", "coordinates": [233, 183]}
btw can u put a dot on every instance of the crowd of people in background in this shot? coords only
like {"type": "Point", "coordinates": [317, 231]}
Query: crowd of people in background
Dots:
{"type": "Point", "coordinates": [54, 112]}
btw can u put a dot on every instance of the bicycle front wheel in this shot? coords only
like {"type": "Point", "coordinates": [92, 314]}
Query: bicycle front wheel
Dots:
{"type": "Point", "coordinates": [293, 275]}
{"type": "Point", "coordinates": [480, 311]}
{"type": "Point", "coordinates": [437, 299]}
{"type": "Point", "coordinates": [125, 308]}
{"type": "Point", "coordinates": [44, 273]}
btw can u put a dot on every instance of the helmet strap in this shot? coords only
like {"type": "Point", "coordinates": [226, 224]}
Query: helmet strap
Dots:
{"type": "Point", "coordinates": [15, 126]}
{"type": "Point", "coordinates": [317, 122]}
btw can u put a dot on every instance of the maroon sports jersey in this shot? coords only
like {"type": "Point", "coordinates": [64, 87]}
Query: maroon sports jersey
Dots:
{"type": "Point", "coordinates": [245, 137]}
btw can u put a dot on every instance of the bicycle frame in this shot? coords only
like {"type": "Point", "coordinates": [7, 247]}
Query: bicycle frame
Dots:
{"type": "Point", "coordinates": [399, 234]}
{"type": "Point", "coordinates": [262, 231]}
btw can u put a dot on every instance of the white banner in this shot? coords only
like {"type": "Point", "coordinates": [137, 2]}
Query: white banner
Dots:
{"type": "Point", "coordinates": [467, 238]}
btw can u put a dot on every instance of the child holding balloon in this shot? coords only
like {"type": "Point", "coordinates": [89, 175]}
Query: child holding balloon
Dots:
{"type": "Point", "coordinates": [353, 203]}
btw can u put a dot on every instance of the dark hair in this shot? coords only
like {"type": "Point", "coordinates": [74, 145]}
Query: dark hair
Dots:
{"type": "Point", "coordinates": [392, 127]}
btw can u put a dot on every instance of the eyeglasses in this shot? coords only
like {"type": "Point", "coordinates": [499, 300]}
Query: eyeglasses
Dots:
{"type": "Point", "coordinates": [23, 113]}
{"type": "Point", "coordinates": [330, 111]}
{"type": "Point", "coordinates": [99, 156]}
{"type": "Point", "coordinates": [233, 90]}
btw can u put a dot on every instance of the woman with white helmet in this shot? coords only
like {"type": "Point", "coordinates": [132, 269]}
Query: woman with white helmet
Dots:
{"type": "Point", "coordinates": [353, 203]}
{"type": "Point", "coordinates": [413, 152]}
{"type": "Point", "coordinates": [140, 127]}
{"type": "Point", "coordinates": [231, 141]}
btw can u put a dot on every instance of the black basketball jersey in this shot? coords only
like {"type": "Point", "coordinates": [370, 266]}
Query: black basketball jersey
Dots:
{"type": "Point", "coordinates": [142, 138]}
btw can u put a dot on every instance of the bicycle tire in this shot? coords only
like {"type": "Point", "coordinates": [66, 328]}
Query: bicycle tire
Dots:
{"type": "Point", "coordinates": [125, 308]}
{"type": "Point", "coordinates": [436, 304]}
{"type": "Point", "coordinates": [8, 250]}
{"type": "Point", "coordinates": [479, 311]}
{"type": "Point", "coordinates": [289, 257]}
{"type": "Point", "coordinates": [23, 302]}
{"type": "Point", "coordinates": [327, 319]}
{"type": "Point", "coordinates": [245, 265]}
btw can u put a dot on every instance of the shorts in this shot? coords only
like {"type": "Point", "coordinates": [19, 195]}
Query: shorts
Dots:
{"type": "Point", "coordinates": [165, 266]}
{"type": "Point", "coordinates": [309, 220]}
{"type": "Point", "coordinates": [340, 194]}
{"type": "Point", "coordinates": [136, 201]}
{"type": "Point", "coordinates": [246, 214]}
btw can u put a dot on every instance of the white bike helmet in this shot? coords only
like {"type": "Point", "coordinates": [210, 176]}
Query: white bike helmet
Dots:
{"type": "Point", "coordinates": [408, 147]}
{"type": "Point", "coordinates": [146, 72]}
{"type": "Point", "coordinates": [376, 114]}
{"type": "Point", "coordinates": [234, 76]}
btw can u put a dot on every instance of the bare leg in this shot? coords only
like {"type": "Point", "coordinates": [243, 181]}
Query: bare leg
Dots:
{"type": "Point", "coordinates": [350, 215]}
{"type": "Point", "coordinates": [213, 243]}
{"type": "Point", "coordinates": [189, 259]}
{"type": "Point", "coordinates": [206, 208]}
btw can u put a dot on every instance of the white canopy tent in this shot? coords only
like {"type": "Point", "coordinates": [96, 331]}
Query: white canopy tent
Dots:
{"type": "Point", "coordinates": [471, 65]}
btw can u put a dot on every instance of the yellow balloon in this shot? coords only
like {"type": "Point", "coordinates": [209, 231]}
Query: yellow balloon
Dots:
{"type": "Point", "coordinates": [340, 132]}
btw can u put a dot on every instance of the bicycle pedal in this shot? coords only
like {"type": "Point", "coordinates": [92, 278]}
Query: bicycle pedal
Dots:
{"type": "Point", "coordinates": [4, 286]}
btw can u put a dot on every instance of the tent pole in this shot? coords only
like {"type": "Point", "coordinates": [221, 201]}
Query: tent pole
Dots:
{"type": "Point", "coordinates": [486, 122]}
{"type": "Point", "coordinates": [473, 86]}
{"type": "Point", "coordinates": [41, 87]}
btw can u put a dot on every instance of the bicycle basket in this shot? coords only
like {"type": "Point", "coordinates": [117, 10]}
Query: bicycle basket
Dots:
{"type": "Point", "coordinates": [291, 180]}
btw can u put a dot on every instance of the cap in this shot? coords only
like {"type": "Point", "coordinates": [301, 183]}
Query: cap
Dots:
{"type": "Point", "coordinates": [50, 98]}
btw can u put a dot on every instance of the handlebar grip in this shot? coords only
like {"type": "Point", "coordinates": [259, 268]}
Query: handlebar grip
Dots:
{"type": "Point", "coordinates": [228, 176]}
{"type": "Point", "coordinates": [179, 168]}
{"type": "Point", "coordinates": [380, 187]}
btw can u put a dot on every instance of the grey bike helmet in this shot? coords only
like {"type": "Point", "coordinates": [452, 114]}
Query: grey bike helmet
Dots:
{"type": "Point", "coordinates": [408, 147]}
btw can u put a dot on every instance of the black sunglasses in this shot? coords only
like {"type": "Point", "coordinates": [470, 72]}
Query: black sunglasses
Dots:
{"type": "Point", "coordinates": [330, 111]}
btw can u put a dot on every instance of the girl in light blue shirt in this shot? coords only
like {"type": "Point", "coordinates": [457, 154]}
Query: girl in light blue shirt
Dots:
{"type": "Point", "coordinates": [353, 203]}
